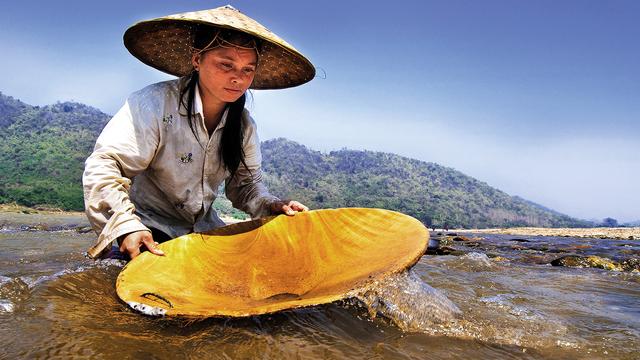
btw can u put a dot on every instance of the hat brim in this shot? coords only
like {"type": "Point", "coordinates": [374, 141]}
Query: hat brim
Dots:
{"type": "Point", "coordinates": [166, 44]}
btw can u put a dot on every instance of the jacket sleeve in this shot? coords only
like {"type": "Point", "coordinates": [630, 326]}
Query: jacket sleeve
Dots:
{"type": "Point", "coordinates": [246, 189]}
{"type": "Point", "coordinates": [124, 149]}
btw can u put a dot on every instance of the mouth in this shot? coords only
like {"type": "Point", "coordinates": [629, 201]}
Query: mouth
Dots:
{"type": "Point", "coordinates": [233, 91]}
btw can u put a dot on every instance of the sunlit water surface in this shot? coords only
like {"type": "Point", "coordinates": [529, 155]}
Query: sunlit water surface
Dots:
{"type": "Point", "coordinates": [55, 303]}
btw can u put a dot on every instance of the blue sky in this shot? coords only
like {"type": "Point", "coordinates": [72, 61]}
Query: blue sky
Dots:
{"type": "Point", "coordinates": [540, 99]}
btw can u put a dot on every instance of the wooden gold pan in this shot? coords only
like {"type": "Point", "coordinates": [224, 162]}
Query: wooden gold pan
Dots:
{"type": "Point", "coordinates": [272, 264]}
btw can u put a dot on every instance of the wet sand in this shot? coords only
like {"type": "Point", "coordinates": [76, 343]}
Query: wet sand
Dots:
{"type": "Point", "coordinates": [626, 233]}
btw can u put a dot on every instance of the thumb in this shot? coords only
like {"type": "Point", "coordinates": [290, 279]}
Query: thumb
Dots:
{"type": "Point", "coordinates": [151, 246]}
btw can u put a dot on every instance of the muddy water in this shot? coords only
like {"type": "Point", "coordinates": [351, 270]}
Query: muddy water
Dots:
{"type": "Point", "coordinates": [55, 303]}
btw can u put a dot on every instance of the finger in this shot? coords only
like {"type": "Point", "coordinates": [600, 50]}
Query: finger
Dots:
{"type": "Point", "coordinates": [298, 206]}
{"type": "Point", "coordinates": [287, 210]}
{"type": "Point", "coordinates": [151, 246]}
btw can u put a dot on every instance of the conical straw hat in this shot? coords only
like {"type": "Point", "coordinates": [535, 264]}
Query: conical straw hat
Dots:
{"type": "Point", "coordinates": [166, 44]}
{"type": "Point", "coordinates": [272, 264]}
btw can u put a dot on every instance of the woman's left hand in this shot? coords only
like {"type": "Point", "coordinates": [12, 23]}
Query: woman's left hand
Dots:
{"type": "Point", "coordinates": [288, 208]}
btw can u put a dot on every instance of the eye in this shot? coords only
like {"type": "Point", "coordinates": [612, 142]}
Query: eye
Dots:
{"type": "Point", "coordinates": [226, 66]}
{"type": "Point", "coordinates": [248, 70]}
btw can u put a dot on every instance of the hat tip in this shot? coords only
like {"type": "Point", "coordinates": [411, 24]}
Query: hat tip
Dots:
{"type": "Point", "coordinates": [229, 7]}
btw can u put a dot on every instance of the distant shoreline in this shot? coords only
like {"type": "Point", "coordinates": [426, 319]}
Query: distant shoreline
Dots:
{"type": "Point", "coordinates": [630, 233]}
{"type": "Point", "coordinates": [15, 208]}
{"type": "Point", "coordinates": [16, 216]}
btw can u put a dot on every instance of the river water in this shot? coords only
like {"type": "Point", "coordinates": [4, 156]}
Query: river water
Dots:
{"type": "Point", "coordinates": [489, 296]}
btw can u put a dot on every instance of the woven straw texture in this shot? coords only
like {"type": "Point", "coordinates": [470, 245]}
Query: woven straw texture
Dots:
{"type": "Point", "coordinates": [165, 44]}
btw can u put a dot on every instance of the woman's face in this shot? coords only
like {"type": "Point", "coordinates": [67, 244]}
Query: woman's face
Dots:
{"type": "Point", "coordinates": [225, 73]}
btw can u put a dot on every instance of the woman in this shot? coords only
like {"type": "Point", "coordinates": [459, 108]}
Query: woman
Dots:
{"type": "Point", "coordinates": [157, 165]}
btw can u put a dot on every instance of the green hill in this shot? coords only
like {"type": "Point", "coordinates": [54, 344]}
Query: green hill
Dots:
{"type": "Point", "coordinates": [427, 191]}
{"type": "Point", "coordinates": [42, 153]}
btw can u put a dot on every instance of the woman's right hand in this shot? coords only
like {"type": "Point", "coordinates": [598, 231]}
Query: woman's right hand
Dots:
{"type": "Point", "coordinates": [133, 242]}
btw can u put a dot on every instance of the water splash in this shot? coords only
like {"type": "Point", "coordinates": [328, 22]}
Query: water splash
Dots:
{"type": "Point", "coordinates": [474, 262]}
{"type": "Point", "coordinates": [4, 280]}
{"type": "Point", "coordinates": [147, 309]}
{"type": "Point", "coordinates": [106, 263]}
{"type": "Point", "coordinates": [32, 281]}
{"type": "Point", "coordinates": [409, 302]}
{"type": "Point", "coordinates": [12, 293]}
{"type": "Point", "coordinates": [505, 301]}
{"type": "Point", "coordinates": [414, 306]}
{"type": "Point", "coordinates": [477, 258]}
{"type": "Point", "coordinates": [6, 306]}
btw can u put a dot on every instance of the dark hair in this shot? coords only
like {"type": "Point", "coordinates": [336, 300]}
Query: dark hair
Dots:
{"type": "Point", "coordinates": [230, 150]}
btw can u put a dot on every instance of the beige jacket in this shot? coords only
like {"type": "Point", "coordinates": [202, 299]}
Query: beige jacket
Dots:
{"type": "Point", "coordinates": [149, 170]}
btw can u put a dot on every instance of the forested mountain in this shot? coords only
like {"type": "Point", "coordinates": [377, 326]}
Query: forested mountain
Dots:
{"type": "Point", "coordinates": [42, 153]}
{"type": "Point", "coordinates": [427, 191]}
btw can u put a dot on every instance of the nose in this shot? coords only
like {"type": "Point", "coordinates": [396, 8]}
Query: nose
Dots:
{"type": "Point", "coordinates": [237, 80]}
{"type": "Point", "coordinates": [239, 77]}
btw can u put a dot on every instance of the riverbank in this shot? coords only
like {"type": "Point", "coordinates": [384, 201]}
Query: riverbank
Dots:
{"type": "Point", "coordinates": [42, 218]}
{"type": "Point", "coordinates": [18, 217]}
{"type": "Point", "coordinates": [20, 209]}
{"type": "Point", "coordinates": [623, 233]}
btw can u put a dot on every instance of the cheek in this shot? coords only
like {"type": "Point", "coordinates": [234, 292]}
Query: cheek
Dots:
{"type": "Point", "coordinates": [214, 79]}
{"type": "Point", "coordinates": [213, 73]}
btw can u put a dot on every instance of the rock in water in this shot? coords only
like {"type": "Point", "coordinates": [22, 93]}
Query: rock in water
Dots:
{"type": "Point", "coordinates": [632, 264]}
{"type": "Point", "coordinates": [587, 261]}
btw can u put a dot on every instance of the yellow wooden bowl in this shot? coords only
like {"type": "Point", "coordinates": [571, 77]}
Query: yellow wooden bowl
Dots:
{"type": "Point", "coordinates": [272, 264]}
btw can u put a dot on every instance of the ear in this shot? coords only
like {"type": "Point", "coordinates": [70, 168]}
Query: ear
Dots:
{"type": "Point", "coordinates": [195, 60]}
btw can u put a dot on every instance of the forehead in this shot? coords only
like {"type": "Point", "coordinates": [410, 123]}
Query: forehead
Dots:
{"type": "Point", "coordinates": [247, 56]}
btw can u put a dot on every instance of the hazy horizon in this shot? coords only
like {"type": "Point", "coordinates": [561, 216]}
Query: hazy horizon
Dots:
{"type": "Point", "coordinates": [539, 100]}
